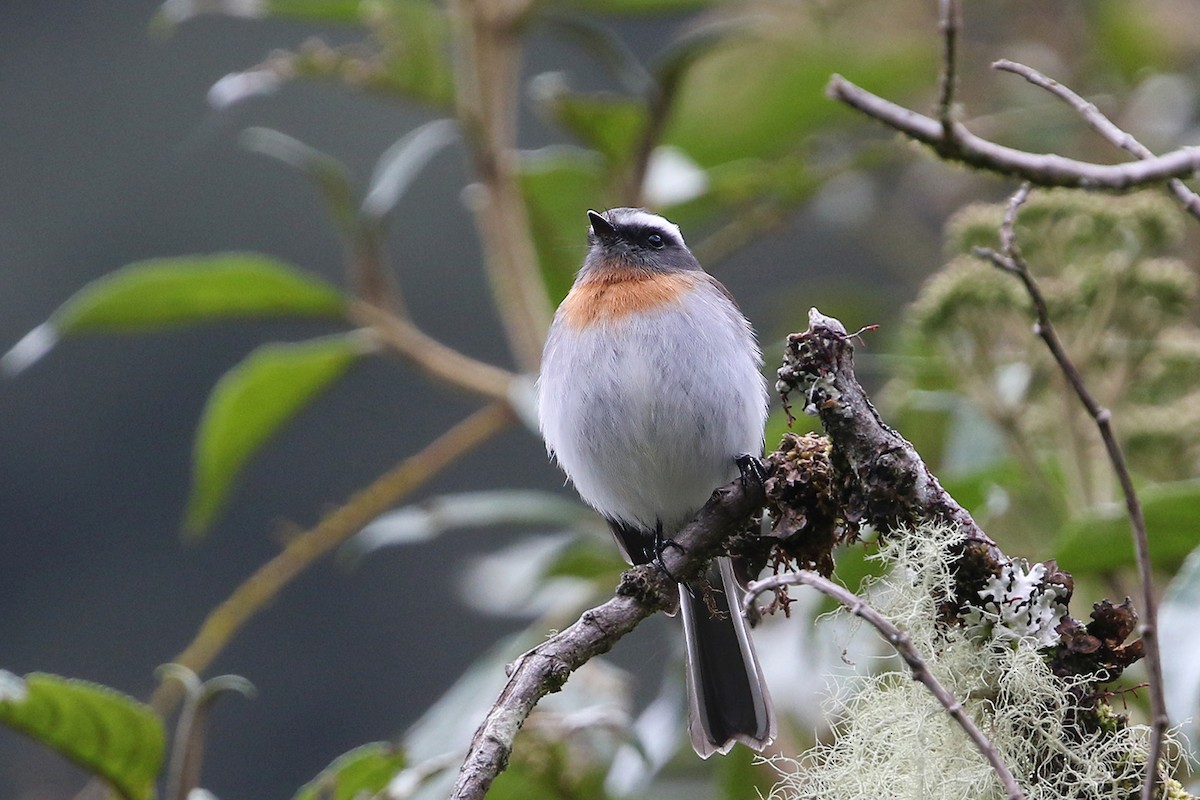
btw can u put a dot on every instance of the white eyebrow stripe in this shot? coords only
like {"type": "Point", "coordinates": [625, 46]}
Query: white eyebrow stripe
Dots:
{"type": "Point", "coordinates": [637, 217]}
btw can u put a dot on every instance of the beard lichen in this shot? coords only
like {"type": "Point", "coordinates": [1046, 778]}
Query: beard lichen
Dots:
{"type": "Point", "coordinates": [892, 739]}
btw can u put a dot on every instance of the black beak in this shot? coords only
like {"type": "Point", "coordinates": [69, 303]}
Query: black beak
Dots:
{"type": "Point", "coordinates": [603, 229]}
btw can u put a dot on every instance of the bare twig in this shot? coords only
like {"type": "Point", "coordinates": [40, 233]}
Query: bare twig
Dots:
{"type": "Point", "coordinates": [951, 24]}
{"type": "Point", "coordinates": [643, 591]}
{"type": "Point", "coordinates": [260, 588]}
{"type": "Point", "coordinates": [487, 62]}
{"type": "Point", "coordinates": [1101, 125]}
{"type": "Point", "coordinates": [904, 647]}
{"type": "Point", "coordinates": [435, 359]}
{"type": "Point", "coordinates": [1045, 169]}
{"type": "Point", "coordinates": [1011, 260]}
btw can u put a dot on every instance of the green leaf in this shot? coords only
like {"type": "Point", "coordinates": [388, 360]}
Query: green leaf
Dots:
{"type": "Point", "coordinates": [636, 6]}
{"type": "Point", "coordinates": [604, 121]}
{"type": "Point", "coordinates": [754, 98]}
{"type": "Point", "coordinates": [97, 728]}
{"type": "Point", "coordinates": [172, 292]}
{"type": "Point", "coordinates": [250, 404]}
{"type": "Point", "coordinates": [363, 772]}
{"type": "Point", "coordinates": [741, 774]}
{"type": "Point", "coordinates": [416, 50]}
{"type": "Point", "coordinates": [1102, 541]}
{"type": "Point", "coordinates": [560, 184]}
{"type": "Point", "coordinates": [316, 10]}
{"type": "Point", "coordinates": [172, 12]}
{"type": "Point", "coordinates": [589, 558]}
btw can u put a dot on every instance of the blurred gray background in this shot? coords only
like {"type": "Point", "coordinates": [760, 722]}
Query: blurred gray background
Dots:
{"type": "Point", "coordinates": [109, 154]}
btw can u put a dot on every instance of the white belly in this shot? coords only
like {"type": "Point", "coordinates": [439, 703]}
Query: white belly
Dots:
{"type": "Point", "coordinates": [646, 414]}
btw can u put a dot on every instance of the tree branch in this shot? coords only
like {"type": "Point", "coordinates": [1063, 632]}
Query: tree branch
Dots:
{"type": "Point", "coordinates": [435, 359]}
{"type": "Point", "coordinates": [643, 591]}
{"type": "Point", "coordinates": [904, 647]}
{"type": "Point", "coordinates": [487, 61]}
{"type": "Point", "coordinates": [1040, 169]}
{"type": "Point", "coordinates": [1101, 125]}
{"type": "Point", "coordinates": [951, 24]}
{"type": "Point", "coordinates": [1010, 260]}
{"type": "Point", "coordinates": [894, 486]}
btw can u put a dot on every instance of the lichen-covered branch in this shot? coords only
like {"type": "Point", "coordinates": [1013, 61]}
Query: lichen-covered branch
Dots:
{"type": "Point", "coordinates": [877, 479]}
{"type": "Point", "coordinates": [891, 486]}
{"type": "Point", "coordinates": [904, 647]}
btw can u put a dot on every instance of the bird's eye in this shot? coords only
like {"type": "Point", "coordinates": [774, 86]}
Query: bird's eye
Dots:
{"type": "Point", "coordinates": [655, 241]}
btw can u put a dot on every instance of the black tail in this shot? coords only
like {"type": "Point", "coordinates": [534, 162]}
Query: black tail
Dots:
{"type": "Point", "coordinates": [726, 691]}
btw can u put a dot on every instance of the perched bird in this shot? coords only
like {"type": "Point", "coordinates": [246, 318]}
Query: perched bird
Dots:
{"type": "Point", "coordinates": [650, 389]}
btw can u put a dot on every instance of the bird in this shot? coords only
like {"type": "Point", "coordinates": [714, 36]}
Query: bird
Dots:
{"type": "Point", "coordinates": [650, 390]}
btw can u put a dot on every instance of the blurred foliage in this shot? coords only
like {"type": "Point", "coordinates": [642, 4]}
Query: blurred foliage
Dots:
{"type": "Point", "coordinates": [1124, 306]}
{"type": "Point", "coordinates": [250, 404]}
{"type": "Point", "coordinates": [103, 731]}
{"type": "Point", "coordinates": [365, 770]}
{"type": "Point", "coordinates": [726, 130]}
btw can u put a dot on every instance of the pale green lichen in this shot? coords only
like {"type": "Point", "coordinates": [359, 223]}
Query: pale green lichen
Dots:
{"type": "Point", "coordinates": [893, 739]}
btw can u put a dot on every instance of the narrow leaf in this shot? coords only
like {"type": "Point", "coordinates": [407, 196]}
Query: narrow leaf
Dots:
{"type": "Point", "coordinates": [172, 12]}
{"type": "Point", "coordinates": [105, 732]}
{"type": "Point", "coordinates": [251, 403]}
{"type": "Point", "coordinates": [432, 517]}
{"type": "Point", "coordinates": [363, 772]}
{"type": "Point", "coordinates": [328, 174]}
{"type": "Point", "coordinates": [172, 292]}
{"type": "Point", "coordinates": [1101, 541]}
{"type": "Point", "coordinates": [402, 162]}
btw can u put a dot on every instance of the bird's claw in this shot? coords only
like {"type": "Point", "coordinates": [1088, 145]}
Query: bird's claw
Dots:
{"type": "Point", "coordinates": [661, 545]}
{"type": "Point", "coordinates": [752, 468]}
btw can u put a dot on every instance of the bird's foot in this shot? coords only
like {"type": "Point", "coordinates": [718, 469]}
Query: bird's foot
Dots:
{"type": "Point", "coordinates": [661, 545]}
{"type": "Point", "coordinates": [752, 468]}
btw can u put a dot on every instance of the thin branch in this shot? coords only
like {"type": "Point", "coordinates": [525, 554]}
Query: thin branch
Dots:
{"type": "Point", "coordinates": [302, 551]}
{"type": "Point", "coordinates": [487, 62]}
{"type": "Point", "coordinates": [1045, 169]}
{"type": "Point", "coordinates": [437, 360]}
{"type": "Point", "coordinates": [369, 276]}
{"type": "Point", "coordinates": [904, 647]}
{"type": "Point", "coordinates": [643, 591]}
{"type": "Point", "coordinates": [950, 24]}
{"type": "Point", "coordinates": [1102, 125]}
{"type": "Point", "coordinates": [1011, 260]}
